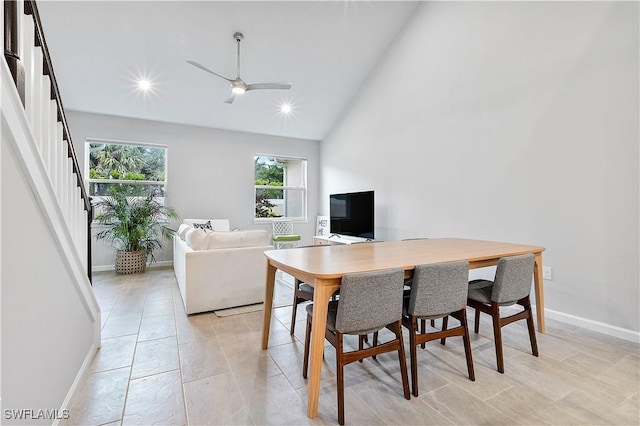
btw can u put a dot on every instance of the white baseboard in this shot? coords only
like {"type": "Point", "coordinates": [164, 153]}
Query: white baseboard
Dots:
{"type": "Point", "coordinates": [77, 382]}
{"type": "Point", "coordinates": [155, 265]}
{"type": "Point", "coordinates": [600, 327]}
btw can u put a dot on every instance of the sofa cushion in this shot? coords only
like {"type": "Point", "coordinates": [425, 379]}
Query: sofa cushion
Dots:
{"type": "Point", "coordinates": [196, 238]}
{"type": "Point", "coordinates": [235, 239]}
{"type": "Point", "coordinates": [199, 239]}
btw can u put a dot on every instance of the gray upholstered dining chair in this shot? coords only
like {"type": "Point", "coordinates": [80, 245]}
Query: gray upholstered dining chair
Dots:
{"type": "Point", "coordinates": [512, 285]}
{"type": "Point", "coordinates": [407, 288]}
{"type": "Point", "coordinates": [438, 290]}
{"type": "Point", "coordinates": [369, 302]}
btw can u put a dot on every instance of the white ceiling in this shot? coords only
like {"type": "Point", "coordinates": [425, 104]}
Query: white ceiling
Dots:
{"type": "Point", "coordinates": [327, 49]}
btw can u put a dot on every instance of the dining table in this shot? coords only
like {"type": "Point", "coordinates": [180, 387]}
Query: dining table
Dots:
{"type": "Point", "coordinates": [323, 268]}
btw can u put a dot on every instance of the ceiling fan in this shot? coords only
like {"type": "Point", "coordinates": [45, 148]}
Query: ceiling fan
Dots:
{"type": "Point", "coordinates": [238, 86]}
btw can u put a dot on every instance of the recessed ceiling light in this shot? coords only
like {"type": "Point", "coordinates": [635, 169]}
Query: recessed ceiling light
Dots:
{"type": "Point", "coordinates": [144, 85]}
{"type": "Point", "coordinates": [286, 108]}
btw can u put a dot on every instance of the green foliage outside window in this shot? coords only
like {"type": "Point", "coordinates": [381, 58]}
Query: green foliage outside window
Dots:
{"type": "Point", "coordinates": [109, 162]}
{"type": "Point", "coordinates": [279, 186]}
{"type": "Point", "coordinates": [269, 170]}
{"type": "Point", "coordinates": [264, 206]}
{"type": "Point", "coordinates": [128, 162]}
{"type": "Point", "coordinates": [269, 173]}
{"type": "Point", "coordinates": [271, 193]}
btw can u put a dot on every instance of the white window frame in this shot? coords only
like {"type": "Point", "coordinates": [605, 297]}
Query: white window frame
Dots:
{"type": "Point", "coordinates": [284, 188]}
{"type": "Point", "coordinates": [87, 152]}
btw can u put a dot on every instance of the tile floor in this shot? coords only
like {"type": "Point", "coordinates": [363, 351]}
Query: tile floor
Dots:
{"type": "Point", "coordinates": [158, 366]}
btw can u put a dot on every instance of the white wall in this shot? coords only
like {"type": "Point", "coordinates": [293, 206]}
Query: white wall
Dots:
{"type": "Point", "coordinates": [210, 172]}
{"type": "Point", "coordinates": [47, 327]}
{"type": "Point", "coordinates": [509, 121]}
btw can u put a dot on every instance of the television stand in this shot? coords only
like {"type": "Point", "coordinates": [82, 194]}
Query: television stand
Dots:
{"type": "Point", "coordinates": [335, 239]}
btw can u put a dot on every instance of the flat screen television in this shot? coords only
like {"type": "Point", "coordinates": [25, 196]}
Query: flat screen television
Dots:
{"type": "Point", "coordinates": [352, 214]}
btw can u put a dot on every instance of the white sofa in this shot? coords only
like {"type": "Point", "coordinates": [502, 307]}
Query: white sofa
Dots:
{"type": "Point", "coordinates": [218, 268]}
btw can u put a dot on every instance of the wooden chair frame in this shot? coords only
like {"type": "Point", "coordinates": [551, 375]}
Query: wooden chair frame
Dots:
{"type": "Point", "coordinates": [499, 322]}
{"type": "Point", "coordinates": [343, 358]}
{"type": "Point", "coordinates": [299, 296]}
{"type": "Point", "coordinates": [420, 338]}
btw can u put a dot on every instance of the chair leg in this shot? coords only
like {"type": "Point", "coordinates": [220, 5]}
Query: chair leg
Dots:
{"type": "Point", "coordinates": [532, 331]}
{"type": "Point", "coordinates": [375, 343]}
{"type": "Point", "coordinates": [361, 340]}
{"type": "Point", "coordinates": [307, 338]}
{"type": "Point", "coordinates": [340, 378]}
{"type": "Point", "coordinates": [413, 355]}
{"type": "Point", "coordinates": [445, 324]}
{"type": "Point", "coordinates": [497, 335]}
{"type": "Point", "coordinates": [423, 327]}
{"type": "Point", "coordinates": [403, 360]}
{"type": "Point", "coordinates": [294, 309]}
{"type": "Point", "coordinates": [476, 322]}
{"type": "Point", "coordinates": [467, 346]}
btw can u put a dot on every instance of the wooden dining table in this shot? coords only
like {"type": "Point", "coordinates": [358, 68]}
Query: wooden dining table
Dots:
{"type": "Point", "coordinates": [323, 268]}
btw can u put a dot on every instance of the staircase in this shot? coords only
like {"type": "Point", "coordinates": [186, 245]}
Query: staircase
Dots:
{"type": "Point", "coordinates": [50, 317]}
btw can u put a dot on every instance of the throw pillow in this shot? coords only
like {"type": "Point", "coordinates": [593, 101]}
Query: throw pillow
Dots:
{"type": "Point", "coordinates": [206, 226]}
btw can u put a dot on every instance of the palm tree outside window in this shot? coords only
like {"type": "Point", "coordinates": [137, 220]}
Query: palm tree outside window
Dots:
{"type": "Point", "coordinates": [131, 168]}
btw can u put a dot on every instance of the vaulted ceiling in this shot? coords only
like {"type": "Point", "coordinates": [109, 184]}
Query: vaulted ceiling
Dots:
{"type": "Point", "coordinates": [100, 49]}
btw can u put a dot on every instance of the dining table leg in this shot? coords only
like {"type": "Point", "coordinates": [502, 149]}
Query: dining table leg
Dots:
{"type": "Point", "coordinates": [268, 304]}
{"type": "Point", "coordinates": [321, 295]}
{"type": "Point", "coordinates": [539, 291]}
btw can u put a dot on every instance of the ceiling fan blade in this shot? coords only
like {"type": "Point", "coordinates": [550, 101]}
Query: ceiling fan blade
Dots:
{"type": "Point", "coordinates": [257, 86]}
{"type": "Point", "coordinates": [230, 98]}
{"type": "Point", "coordinates": [203, 68]}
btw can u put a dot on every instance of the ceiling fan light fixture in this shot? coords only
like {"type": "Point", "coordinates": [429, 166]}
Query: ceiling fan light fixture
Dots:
{"type": "Point", "coordinates": [238, 86]}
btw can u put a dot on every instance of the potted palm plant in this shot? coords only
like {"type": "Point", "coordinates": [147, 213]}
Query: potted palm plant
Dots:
{"type": "Point", "coordinates": [135, 226]}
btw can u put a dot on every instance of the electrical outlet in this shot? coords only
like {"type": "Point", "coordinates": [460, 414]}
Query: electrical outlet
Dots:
{"type": "Point", "coordinates": [547, 273]}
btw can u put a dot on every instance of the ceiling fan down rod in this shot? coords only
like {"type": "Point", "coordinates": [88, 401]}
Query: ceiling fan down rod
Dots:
{"type": "Point", "coordinates": [238, 37]}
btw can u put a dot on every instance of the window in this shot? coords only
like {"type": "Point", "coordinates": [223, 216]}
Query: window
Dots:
{"type": "Point", "coordinates": [280, 187]}
{"type": "Point", "coordinates": [138, 170]}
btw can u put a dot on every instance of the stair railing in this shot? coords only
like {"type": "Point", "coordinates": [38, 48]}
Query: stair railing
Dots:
{"type": "Point", "coordinates": [28, 58]}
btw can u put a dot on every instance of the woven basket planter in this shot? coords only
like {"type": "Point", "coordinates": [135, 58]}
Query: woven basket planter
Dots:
{"type": "Point", "coordinates": [131, 262]}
